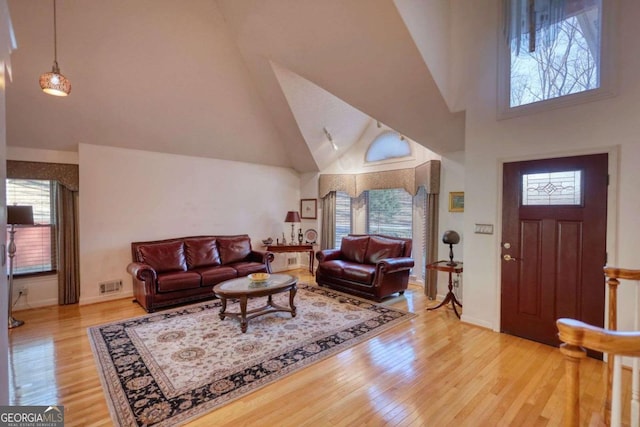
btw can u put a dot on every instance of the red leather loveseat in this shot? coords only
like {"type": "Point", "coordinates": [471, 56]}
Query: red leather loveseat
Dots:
{"type": "Point", "coordinates": [371, 266]}
{"type": "Point", "coordinates": [175, 271]}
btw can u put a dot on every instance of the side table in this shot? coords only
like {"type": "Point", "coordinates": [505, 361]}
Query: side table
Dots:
{"type": "Point", "coordinates": [294, 248]}
{"type": "Point", "coordinates": [447, 267]}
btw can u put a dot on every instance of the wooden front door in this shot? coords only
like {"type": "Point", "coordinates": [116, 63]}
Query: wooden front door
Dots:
{"type": "Point", "coordinates": [553, 244]}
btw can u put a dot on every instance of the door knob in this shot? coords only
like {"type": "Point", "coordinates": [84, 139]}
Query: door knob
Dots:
{"type": "Point", "coordinates": [508, 257]}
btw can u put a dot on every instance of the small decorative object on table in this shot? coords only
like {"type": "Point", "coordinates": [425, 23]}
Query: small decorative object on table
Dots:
{"type": "Point", "coordinates": [311, 236]}
{"type": "Point", "coordinates": [258, 279]}
{"type": "Point", "coordinates": [300, 236]}
{"type": "Point", "coordinates": [267, 242]}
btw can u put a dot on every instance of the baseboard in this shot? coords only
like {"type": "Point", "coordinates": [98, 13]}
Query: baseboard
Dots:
{"type": "Point", "coordinates": [476, 322]}
{"type": "Point", "coordinates": [98, 298]}
{"type": "Point", "coordinates": [37, 304]}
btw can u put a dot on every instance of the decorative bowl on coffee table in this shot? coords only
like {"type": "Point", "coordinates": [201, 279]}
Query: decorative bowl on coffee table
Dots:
{"type": "Point", "coordinates": [258, 279]}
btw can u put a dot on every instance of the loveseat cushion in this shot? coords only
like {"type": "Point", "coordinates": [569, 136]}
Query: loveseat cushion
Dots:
{"type": "Point", "coordinates": [163, 257]}
{"type": "Point", "coordinates": [333, 268]}
{"type": "Point", "coordinates": [177, 281]}
{"type": "Point", "coordinates": [213, 275]}
{"type": "Point", "coordinates": [354, 248]}
{"type": "Point", "coordinates": [362, 273]}
{"type": "Point", "coordinates": [381, 248]}
{"type": "Point", "coordinates": [201, 252]}
{"type": "Point", "coordinates": [234, 249]}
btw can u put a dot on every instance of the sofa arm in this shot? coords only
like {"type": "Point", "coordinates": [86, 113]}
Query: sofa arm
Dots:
{"type": "Point", "coordinates": [143, 272]}
{"type": "Point", "coordinates": [328, 255]}
{"type": "Point", "coordinates": [393, 265]}
{"type": "Point", "coordinates": [263, 257]}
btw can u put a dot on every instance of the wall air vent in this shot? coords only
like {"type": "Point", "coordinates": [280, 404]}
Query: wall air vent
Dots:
{"type": "Point", "coordinates": [110, 287]}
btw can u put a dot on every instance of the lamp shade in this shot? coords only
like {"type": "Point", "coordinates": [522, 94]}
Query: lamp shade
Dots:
{"type": "Point", "coordinates": [20, 215]}
{"type": "Point", "coordinates": [292, 216]}
{"type": "Point", "coordinates": [450, 237]}
{"type": "Point", "coordinates": [55, 83]}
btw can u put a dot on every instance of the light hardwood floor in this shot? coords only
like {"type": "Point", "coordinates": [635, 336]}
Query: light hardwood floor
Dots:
{"type": "Point", "coordinates": [431, 371]}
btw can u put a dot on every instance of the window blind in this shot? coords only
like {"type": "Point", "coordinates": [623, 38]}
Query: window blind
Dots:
{"type": "Point", "coordinates": [343, 216]}
{"type": "Point", "coordinates": [390, 212]}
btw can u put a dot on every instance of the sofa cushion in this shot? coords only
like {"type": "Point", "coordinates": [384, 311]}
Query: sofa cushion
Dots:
{"type": "Point", "coordinates": [244, 268]}
{"type": "Point", "coordinates": [234, 249]}
{"type": "Point", "coordinates": [163, 257]}
{"type": "Point", "coordinates": [362, 273]}
{"type": "Point", "coordinates": [213, 275]}
{"type": "Point", "coordinates": [354, 248]}
{"type": "Point", "coordinates": [381, 248]}
{"type": "Point", "coordinates": [201, 252]}
{"type": "Point", "coordinates": [177, 281]}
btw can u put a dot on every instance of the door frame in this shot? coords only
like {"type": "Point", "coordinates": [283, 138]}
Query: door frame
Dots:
{"type": "Point", "coordinates": [612, 213]}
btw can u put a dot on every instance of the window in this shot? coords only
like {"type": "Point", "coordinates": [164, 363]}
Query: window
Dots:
{"type": "Point", "coordinates": [563, 55]}
{"type": "Point", "coordinates": [552, 188]}
{"type": "Point", "coordinates": [343, 216]}
{"type": "Point", "coordinates": [36, 244]}
{"type": "Point", "coordinates": [388, 145]}
{"type": "Point", "coordinates": [390, 212]}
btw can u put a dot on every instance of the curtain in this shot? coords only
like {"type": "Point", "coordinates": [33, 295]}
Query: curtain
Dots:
{"type": "Point", "coordinates": [68, 246]}
{"type": "Point", "coordinates": [328, 236]}
{"type": "Point", "coordinates": [431, 243]}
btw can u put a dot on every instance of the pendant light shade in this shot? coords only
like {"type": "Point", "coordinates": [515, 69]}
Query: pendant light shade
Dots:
{"type": "Point", "coordinates": [54, 83]}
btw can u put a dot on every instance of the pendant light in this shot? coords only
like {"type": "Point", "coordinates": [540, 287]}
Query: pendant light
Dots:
{"type": "Point", "coordinates": [54, 83]}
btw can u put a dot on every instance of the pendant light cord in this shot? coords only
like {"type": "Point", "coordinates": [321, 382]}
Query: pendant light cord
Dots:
{"type": "Point", "coordinates": [55, 36]}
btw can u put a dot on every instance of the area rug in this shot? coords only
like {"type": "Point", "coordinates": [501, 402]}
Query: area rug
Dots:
{"type": "Point", "coordinates": [170, 367]}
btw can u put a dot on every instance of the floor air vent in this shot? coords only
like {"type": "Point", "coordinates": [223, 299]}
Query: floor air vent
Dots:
{"type": "Point", "coordinates": [110, 287]}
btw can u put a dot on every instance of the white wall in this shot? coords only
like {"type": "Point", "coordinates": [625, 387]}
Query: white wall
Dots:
{"type": "Point", "coordinates": [606, 125]}
{"type": "Point", "coordinates": [130, 195]}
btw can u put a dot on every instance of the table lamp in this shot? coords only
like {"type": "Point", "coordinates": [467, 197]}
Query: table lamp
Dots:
{"type": "Point", "coordinates": [292, 217]}
{"type": "Point", "coordinates": [16, 215]}
{"type": "Point", "coordinates": [451, 238]}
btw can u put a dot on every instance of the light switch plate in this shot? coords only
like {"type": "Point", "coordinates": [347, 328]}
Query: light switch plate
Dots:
{"type": "Point", "coordinates": [484, 229]}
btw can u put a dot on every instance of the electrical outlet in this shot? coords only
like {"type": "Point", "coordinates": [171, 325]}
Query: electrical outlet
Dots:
{"type": "Point", "coordinates": [23, 290]}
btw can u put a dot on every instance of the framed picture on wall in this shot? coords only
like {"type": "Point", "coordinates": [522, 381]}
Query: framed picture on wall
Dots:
{"type": "Point", "coordinates": [308, 208]}
{"type": "Point", "coordinates": [456, 201]}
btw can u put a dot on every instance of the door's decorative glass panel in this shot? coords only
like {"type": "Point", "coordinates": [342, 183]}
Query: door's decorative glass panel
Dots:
{"type": "Point", "coordinates": [552, 188]}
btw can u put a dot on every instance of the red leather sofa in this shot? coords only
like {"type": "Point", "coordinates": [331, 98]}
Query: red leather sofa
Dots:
{"type": "Point", "coordinates": [175, 271]}
{"type": "Point", "coordinates": [370, 266]}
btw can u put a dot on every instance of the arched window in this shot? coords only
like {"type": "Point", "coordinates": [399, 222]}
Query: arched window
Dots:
{"type": "Point", "coordinates": [388, 145]}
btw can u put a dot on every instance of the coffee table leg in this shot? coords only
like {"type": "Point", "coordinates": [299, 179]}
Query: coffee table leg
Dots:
{"type": "Point", "coordinates": [223, 307]}
{"type": "Point", "coordinates": [243, 314]}
{"type": "Point", "coordinates": [292, 295]}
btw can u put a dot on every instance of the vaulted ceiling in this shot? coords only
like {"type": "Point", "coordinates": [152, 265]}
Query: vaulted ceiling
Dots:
{"type": "Point", "coordinates": [244, 80]}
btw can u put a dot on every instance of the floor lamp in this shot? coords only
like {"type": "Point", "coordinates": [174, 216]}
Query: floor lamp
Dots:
{"type": "Point", "coordinates": [16, 215]}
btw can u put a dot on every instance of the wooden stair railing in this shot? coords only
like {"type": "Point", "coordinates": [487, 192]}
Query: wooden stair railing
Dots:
{"type": "Point", "coordinates": [614, 275]}
{"type": "Point", "coordinates": [576, 336]}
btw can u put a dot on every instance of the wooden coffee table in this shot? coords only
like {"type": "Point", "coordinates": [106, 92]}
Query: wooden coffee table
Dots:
{"type": "Point", "coordinates": [242, 289]}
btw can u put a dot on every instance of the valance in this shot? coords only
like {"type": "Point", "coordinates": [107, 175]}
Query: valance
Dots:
{"type": "Point", "coordinates": [65, 174]}
{"type": "Point", "coordinates": [426, 175]}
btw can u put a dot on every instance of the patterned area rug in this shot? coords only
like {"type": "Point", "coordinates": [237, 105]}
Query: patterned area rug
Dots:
{"type": "Point", "coordinates": [171, 367]}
